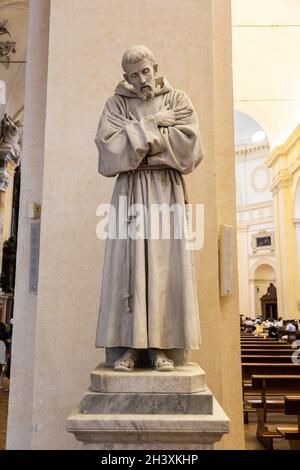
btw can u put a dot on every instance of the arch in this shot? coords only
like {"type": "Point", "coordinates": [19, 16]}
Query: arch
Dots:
{"type": "Point", "coordinates": [245, 127]}
{"type": "Point", "coordinates": [270, 129]}
{"type": "Point", "coordinates": [265, 272]}
{"type": "Point", "coordinates": [264, 276]}
{"type": "Point", "coordinates": [261, 262]}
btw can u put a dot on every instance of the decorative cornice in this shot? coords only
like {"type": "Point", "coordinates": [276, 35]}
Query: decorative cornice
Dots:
{"type": "Point", "coordinates": [257, 205]}
{"type": "Point", "coordinates": [282, 180]}
{"type": "Point", "coordinates": [252, 152]}
{"type": "Point", "coordinates": [295, 166]}
{"type": "Point", "coordinates": [249, 224]}
{"type": "Point", "coordinates": [242, 150]}
{"type": "Point", "coordinates": [282, 150]}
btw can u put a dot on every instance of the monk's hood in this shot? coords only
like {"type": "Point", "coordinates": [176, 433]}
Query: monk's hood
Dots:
{"type": "Point", "coordinates": [125, 89]}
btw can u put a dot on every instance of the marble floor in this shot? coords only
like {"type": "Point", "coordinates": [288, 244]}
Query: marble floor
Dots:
{"type": "Point", "coordinates": [250, 429]}
{"type": "Point", "coordinates": [251, 443]}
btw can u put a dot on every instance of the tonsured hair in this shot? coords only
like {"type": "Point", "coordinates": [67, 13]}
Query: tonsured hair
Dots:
{"type": "Point", "coordinates": [135, 54]}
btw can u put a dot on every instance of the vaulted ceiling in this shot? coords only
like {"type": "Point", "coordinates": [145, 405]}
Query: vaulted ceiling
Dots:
{"type": "Point", "coordinates": [266, 64]}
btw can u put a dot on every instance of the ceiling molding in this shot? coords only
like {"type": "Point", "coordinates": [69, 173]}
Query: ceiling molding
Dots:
{"type": "Point", "coordinates": [285, 148]}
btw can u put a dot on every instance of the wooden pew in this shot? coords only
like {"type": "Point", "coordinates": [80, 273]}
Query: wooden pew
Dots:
{"type": "Point", "coordinates": [251, 368]}
{"type": "Point", "coordinates": [264, 341]}
{"type": "Point", "coordinates": [290, 333]}
{"type": "Point", "coordinates": [258, 368]}
{"type": "Point", "coordinates": [262, 344]}
{"type": "Point", "coordinates": [291, 433]}
{"type": "Point", "coordinates": [269, 352]}
{"type": "Point", "coordinates": [267, 359]}
{"type": "Point", "coordinates": [272, 389]}
{"type": "Point", "coordinates": [266, 346]}
{"type": "Point", "coordinates": [257, 340]}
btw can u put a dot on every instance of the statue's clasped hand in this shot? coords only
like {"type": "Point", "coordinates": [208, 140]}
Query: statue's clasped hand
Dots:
{"type": "Point", "coordinates": [120, 122]}
{"type": "Point", "coordinates": [167, 117]}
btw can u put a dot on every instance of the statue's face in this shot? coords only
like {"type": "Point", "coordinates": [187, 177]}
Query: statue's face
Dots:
{"type": "Point", "coordinates": [142, 77]}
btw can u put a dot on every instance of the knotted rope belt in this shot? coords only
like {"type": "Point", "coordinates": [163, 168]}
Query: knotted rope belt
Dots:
{"type": "Point", "coordinates": [130, 217]}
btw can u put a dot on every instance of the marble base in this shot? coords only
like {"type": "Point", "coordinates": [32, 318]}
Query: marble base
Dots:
{"type": "Point", "coordinates": [149, 410]}
{"type": "Point", "coordinates": [146, 403]}
{"type": "Point", "coordinates": [149, 431]}
{"type": "Point", "coordinates": [188, 378]}
{"type": "Point", "coordinates": [157, 446]}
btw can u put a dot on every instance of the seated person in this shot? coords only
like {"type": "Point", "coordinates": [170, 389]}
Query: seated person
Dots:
{"type": "Point", "coordinates": [273, 331]}
{"type": "Point", "coordinates": [291, 327]}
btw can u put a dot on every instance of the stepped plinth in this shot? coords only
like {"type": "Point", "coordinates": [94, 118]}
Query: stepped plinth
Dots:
{"type": "Point", "coordinates": [146, 409]}
{"type": "Point", "coordinates": [189, 378]}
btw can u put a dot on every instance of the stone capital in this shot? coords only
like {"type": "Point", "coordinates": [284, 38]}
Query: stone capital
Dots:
{"type": "Point", "coordinates": [281, 181]}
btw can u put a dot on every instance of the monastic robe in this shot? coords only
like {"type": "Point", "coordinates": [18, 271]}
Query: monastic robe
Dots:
{"type": "Point", "coordinates": [148, 297]}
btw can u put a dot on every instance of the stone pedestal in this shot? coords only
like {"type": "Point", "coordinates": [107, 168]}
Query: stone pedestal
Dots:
{"type": "Point", "coordinates": [146, 409]}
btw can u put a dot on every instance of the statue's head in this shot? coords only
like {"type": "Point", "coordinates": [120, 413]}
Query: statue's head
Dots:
{"type": "Point", "coordinates": [140, 70]}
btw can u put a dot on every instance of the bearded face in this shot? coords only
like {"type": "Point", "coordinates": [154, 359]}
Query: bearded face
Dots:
{"type": "Point", "coordinates": [142, 77]}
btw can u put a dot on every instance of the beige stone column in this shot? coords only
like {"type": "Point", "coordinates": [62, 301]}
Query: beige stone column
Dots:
{"type": "Point", "coordinates": [82, 74]}
{"type": "Point", "coordinates": [21, 399]}
{"type": "Point", "coordinates": [286, 248]}
{"type": "Point", "coordinates": [224, 154]}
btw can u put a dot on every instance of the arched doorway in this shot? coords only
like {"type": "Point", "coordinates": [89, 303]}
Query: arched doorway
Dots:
{"type": "Point", "coordinates": [265, 296]}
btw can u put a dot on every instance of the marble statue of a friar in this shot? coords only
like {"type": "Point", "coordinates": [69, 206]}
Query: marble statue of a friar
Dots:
{"type": "Point", "coordinates": [148, 135]}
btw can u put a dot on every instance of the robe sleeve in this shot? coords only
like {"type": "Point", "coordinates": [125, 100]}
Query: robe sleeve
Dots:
{"type": "Point", "coordinates": [183, 142]}
{"type": "Point", "coordinates": [123, 150]}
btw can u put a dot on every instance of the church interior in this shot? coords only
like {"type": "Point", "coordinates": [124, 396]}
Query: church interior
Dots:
{"type": "Point", "coordinates": [239, 63]}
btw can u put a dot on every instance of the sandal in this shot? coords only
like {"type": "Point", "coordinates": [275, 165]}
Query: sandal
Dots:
{"type": "Point", "coordinates": [127, 362]}
{"type": "Point", "coordinates": [160, 361]}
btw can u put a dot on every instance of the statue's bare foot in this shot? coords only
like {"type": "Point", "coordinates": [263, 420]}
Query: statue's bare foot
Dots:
{"type": "Point", "coordinates": [127, 362]}
{"type": "Point", "coordinates": [160, 361]}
